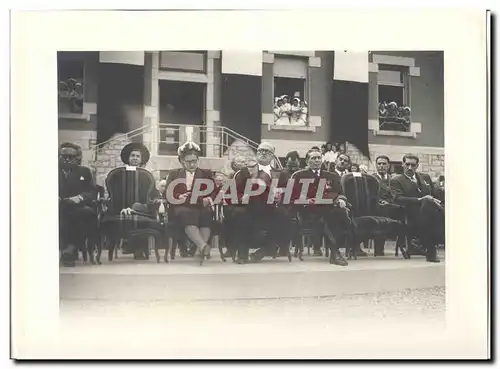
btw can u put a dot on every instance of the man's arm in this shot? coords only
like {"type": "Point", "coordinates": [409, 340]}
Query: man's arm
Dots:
{"type": "Point", "coordinates": [399, 194]}
{"type": "Point", "coordinates": [88, 192]}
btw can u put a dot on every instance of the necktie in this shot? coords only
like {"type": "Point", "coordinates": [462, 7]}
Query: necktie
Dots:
{"type": "Point", "coordinates": [316, 172]}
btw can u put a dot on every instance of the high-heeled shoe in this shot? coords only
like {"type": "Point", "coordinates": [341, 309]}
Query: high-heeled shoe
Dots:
{"type": "Point", "coordinates": [203, 254]}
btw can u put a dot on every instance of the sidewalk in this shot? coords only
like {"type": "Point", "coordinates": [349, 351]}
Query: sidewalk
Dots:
{"type": "Point", "coordinates": [185, 279]}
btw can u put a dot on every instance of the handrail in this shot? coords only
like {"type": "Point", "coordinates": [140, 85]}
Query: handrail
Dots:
{"type": "Point", "coordinates": [225, 134]}
{"type": "Point", "coordinates": [239, 135]}
{"type": "Point", "coordinates": [127, 134]}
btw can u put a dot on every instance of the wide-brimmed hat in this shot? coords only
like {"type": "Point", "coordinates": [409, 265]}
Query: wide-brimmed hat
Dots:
{"type": "Point", "coordinates": [135, 146]}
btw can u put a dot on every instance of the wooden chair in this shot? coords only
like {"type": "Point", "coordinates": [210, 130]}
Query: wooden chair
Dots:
{"type": "Point", "coordinates": [362, 192]}
{"type": "Point", "coordinates": [128, 186]}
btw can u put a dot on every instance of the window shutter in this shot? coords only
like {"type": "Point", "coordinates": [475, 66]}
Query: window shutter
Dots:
{"type": "Point", "coordinates": [290, 67]}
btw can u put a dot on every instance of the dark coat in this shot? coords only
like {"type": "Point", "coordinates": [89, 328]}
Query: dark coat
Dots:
{"type": "Point", "coordinates": [332, 190]}
{"type": "Point", "coordinates": [180, 188]}
{"type": "Point", "coordinates": [77, 182]}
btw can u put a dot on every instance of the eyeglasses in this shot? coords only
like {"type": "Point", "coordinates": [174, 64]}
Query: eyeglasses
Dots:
{"type": "Point", "coordinates": [68, 156]}
{"type": "Point", "coordinates": [263, 151]}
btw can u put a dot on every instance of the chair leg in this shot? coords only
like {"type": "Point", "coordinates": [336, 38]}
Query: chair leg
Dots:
{"type": "Point", "coordinates": [156, 247]}
{"type": "Point", "coordinates": [101, 240]}
{"type": "Point", "coordinates": [168, 248]}
{"type": "Point", "coordinates": [220, 247]}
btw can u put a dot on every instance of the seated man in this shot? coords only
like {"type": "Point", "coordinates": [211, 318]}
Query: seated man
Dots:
{"type": "Point", "coordinates": [260, 214]}
{"type": "Point", "coordinates": [341, 167]}
{"type": "Point", "coordinates": [386, 200]}
{"type": "Point", "coordinates": [76, 213]}
{"type": "Point", "coordinates": [425, 213]}
{"type": "Point", "coordinates": [292, 162]}
{"type": "Point", "coordinates": [334, 215]}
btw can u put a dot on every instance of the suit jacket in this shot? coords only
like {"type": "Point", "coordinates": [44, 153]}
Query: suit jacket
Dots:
{"type": "Point", "coordinates": [386, 193]}
{"type": "Point", "coordinates": [332, 189]}
{"type": "Point", "coordinates": [407, 193]}
{"type": "Point", "coordinates": [243, 175]}
{"type": "Point", "coordinates": [181, 188]}
{"type": "Point", "coordinates": [77, 182]}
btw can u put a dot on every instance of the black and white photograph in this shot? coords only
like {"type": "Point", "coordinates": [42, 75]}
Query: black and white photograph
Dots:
{"type": "Point", "coordinates": [245, 203]}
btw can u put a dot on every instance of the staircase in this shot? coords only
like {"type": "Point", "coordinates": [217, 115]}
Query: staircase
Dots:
{"type": "Point", "coordinates": [221, 143]}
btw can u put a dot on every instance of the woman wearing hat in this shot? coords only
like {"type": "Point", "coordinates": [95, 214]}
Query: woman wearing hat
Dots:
{"type": "Point", "coordinates": [303, 113]}
{"type": "Point", "coordinates": [135, 154]}
{"type": "Point", "coordinates": [285, 110]}
{"type": "Point", "coordinates": [195, 219]}
{"type": "Point", "coordinates": [130, 193]}
{"type": "Point", "coordinates": [295, 110]}
{"type": "Point", "coordinates": [277, 109]}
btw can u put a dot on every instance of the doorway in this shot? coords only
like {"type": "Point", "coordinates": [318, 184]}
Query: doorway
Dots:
{"type": "Point", "coordinates": [181, 103]}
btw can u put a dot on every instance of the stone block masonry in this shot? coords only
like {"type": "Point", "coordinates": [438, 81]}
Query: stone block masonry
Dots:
{"type": "Point", "coordinates": [431, 163]}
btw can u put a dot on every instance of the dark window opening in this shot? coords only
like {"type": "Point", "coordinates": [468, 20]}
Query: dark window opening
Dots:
{"type": "Point", "coordinates": [181, 104]}
{"type": "Point", "coordinates": [70, 86]}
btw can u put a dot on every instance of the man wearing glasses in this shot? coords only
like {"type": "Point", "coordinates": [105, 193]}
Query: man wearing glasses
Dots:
{"type": "Point", "coordinates": [75, 195]}
{"type": "Point", "coordinates": [415, 191]}
{"type": "Point", "coordinates": [260, 214]}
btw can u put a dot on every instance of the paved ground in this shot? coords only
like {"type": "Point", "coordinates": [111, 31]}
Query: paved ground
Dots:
{"type": "Point", "coordinates": [309, 327]}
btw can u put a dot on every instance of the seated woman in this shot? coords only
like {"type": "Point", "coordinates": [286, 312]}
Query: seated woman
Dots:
{"type": "Point", "coordinates": [195, 217]}
{"type": "Point", "coordinates": [130, 191]}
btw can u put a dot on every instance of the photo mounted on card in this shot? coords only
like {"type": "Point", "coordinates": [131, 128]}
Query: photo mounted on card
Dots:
{"type": "Point", "coordinates": [211, 187]}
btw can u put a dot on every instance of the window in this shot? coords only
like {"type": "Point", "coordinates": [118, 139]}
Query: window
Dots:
{"type": "Point", "coordinates": [396, 167]}
{"type": "Point", "coordinates": [186, 61]}
{"type": "Point", "coordinates": [290, 89]}
{"type": "Point", "coordinates": [393, 98]}
{"type": "Point", "coordinates": [70, 79]}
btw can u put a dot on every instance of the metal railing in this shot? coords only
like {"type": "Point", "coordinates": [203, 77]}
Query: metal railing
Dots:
{"type": "Point", "coordinates": [214, 141]}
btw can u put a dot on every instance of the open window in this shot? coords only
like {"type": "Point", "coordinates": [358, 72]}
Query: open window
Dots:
{"type": "Point", "coordinates": [290, 90]}
{"type": "Point", "coordinates": [70, 76]}
{"type": "Point", "coordinates": [393, 96]}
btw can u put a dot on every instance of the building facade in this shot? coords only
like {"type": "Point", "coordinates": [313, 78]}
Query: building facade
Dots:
{"type": "Point", "coordinates": [235, 94]}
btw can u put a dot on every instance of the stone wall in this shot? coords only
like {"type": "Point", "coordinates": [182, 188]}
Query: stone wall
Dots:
{"type": "Point", "coordinates": [431, 162]}
{"type": "Point", "coordinates": [108, 157]}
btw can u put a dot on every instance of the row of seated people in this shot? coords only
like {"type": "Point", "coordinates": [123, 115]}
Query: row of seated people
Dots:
{"type": "Point", "coordinates": [242, 223]}
{"type": "Point", "coordinates": [400, 196]}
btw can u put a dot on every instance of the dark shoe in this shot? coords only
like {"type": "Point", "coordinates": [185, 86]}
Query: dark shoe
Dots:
{"type": "Point", "coordinates": [379, 253]}
{"type": "Point", "coordinates": [203, 253]}
{"type": "Point", "coordinates": [317, 252]}
{"type": "Point", "coordinates": [360, 252]}
{"type": "Point", "coordinates": [337, 259]}
{"type": "Point", "coordinates": [241, 261]}
{"type": "Point", "coordinates": [431, 255]}
{"type": "Point", "coordinates": [257, 255]}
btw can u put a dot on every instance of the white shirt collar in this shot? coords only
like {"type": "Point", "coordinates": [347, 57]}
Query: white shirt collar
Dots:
{"type": "Point", "coordinates": [265, 168]}
{"type": "Point", "coordinates": [413, 179]}
{"type": "Point", "coordinates": [189, 180]}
